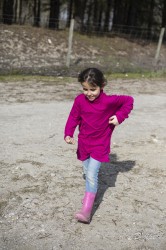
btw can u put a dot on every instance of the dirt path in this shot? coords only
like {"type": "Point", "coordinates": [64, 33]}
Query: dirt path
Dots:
{"type": "Point", "coordinates": [41, 179]}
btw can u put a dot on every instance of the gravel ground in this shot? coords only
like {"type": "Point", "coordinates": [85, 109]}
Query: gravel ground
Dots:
{"type": "Point", "coordinates": [41, 179]}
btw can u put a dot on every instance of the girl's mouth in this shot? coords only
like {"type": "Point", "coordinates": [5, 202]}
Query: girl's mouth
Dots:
{"type": "Point", "coordinates": [91, 98]}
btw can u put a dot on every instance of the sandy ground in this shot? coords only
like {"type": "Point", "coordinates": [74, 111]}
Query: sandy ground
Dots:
{"type": "Point", "coordinates": [41, 182]}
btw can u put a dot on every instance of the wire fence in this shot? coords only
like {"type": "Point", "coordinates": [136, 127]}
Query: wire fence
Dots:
{"type": "Point", "coordinates": [26, 49]}
{"type": "Point", "coordinates": [135, 32]}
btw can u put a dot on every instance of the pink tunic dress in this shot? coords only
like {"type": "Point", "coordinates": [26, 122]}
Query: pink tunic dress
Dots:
{"type": "Point", "coordinates": [95, 132]}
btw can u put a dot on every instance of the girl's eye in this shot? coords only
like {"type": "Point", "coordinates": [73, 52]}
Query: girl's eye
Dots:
{"type": "Point", "coordinates": [90, 89]}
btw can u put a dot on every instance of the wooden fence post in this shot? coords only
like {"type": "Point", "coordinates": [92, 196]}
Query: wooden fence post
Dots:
{"type": "Point", "coordinates": [70, 42]}
{"type": "Point", "coordinates": [159, 44]}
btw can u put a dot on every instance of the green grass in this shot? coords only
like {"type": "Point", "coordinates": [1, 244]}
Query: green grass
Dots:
{"type": "Point", "coordinates": [60, 79]}
{"type": "Point", "coordinates": [25, 78]}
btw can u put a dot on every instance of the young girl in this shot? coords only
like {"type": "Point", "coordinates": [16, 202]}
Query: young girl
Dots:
{"type": "Point", "coordinates": [96, 114]}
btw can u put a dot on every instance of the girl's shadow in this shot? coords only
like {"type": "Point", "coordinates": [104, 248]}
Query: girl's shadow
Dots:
{"type": "Point", "coordinates": [108, 175]}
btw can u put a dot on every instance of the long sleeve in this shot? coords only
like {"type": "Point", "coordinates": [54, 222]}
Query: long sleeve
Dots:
{"type": "Point", "coordinates": [73, 120]}
{"type": "Point", "coordinates": [125, 105]}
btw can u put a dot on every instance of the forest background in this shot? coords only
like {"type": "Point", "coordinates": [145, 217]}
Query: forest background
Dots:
{"type": "Point", "coordinates": [117, 36]}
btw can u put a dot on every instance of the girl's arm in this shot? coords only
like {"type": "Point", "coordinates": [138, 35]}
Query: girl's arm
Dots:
{"type": "Point", "coordinates": [124, 105]}
{"type": "Point", "coordinates": [72, 122]}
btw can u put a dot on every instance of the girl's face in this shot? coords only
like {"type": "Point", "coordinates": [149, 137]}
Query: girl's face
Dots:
{"type": "Point", "coordinates": [90, 91]}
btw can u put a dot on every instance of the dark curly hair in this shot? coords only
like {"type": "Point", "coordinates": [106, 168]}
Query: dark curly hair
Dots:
{"type": "Point", "coordinates": [93, 76]}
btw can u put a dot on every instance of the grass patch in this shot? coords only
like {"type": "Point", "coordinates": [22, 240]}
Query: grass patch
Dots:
{"type": "Point", "coordinates": [35, 78]}
{"type": "Point", "coordinates": [64, 79]}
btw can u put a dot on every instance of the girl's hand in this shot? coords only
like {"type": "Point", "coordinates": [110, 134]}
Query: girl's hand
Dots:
{"type": "Point", "coordinates": [69, 140]}
{"type": "Point", "coordinates": [113, 120]}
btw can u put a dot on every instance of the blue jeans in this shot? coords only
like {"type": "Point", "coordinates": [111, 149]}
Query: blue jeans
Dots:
{"type": "Point", "coordinates": [91, 169]}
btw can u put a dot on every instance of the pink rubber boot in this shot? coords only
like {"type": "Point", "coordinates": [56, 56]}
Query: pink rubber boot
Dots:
{"type": "Point", "coordinates": [82, 201]}
{"type": "Point", "coordinates": [85, 212]}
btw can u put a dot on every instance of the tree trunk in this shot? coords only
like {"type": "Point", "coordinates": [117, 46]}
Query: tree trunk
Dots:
{"type": "Point", "coordinates": [54, 14]}
{"type": "Point", "coordinates": [20, 13]}
{"type": "Point", "coordinates": [95, 15]}
{"type": "Point", "coordinates": [116, 12]}
{"type": "Point", "coordinates": [89, 12]}
{"type": "Point", "coordinates": [37, 4]}
{"type": "Point", "coordinates": [8, 11]}
{"type": "Point", "coordinates": [99, 28]}
{"type": "Point", "coordinates": [131, 13]}
{"type": "Point", "coordinates": [107, 15]}
{"type": "Point", "coordinates": [15, 11]}
{"type": "Point", "coordinates": [164, 14]}
{"type": "Point", "coordinates": [70, 12]}
{"type": "Point", "coordinates": [83, 14]}
{"type": "Point", "coordinates": [150, 19]}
